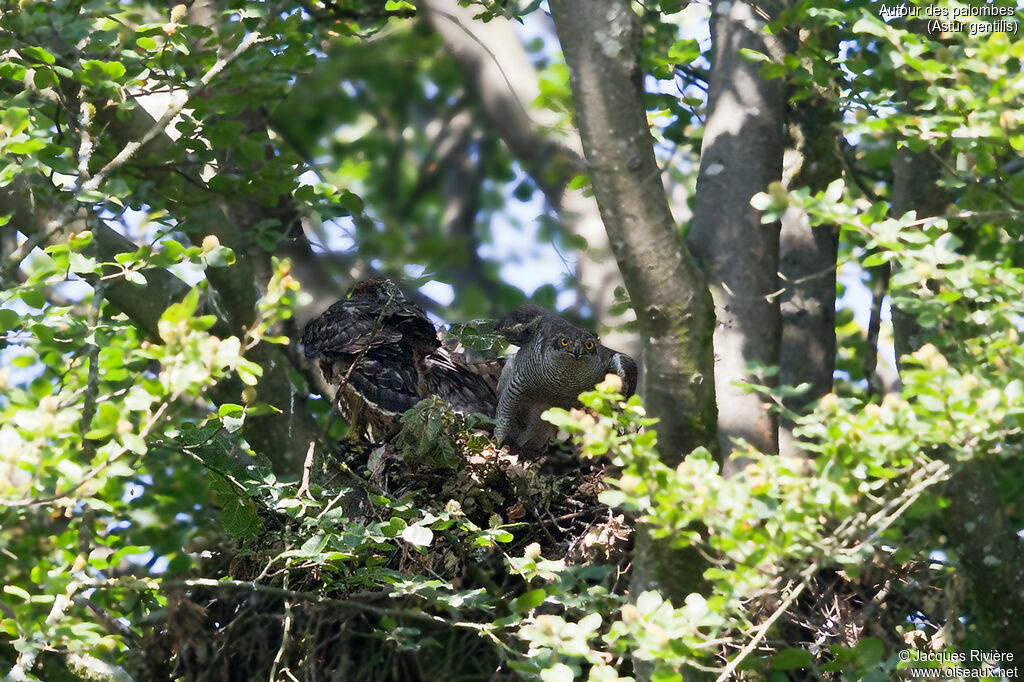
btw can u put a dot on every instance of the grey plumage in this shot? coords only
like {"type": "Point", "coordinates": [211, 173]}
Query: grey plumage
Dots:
{"type": "Point", "coordinates": [556, 361]}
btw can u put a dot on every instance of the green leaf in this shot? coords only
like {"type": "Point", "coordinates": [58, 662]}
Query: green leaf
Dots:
{"type": "Point", "coordinates": [135, 277]}
{"type": "Point", "coordinates": [612, 498]}
{"type": "Point", "coordinates": [9, 320]}
{"type": "Point", "coordinates": [44, 78]}
{"type": "Point", "coordinates": [37, 54]}
{"type": "Point", "coordinates": [221, 256]}
{"type": "Point", "coordinates": [559, 672]}
{"type": "Point", "coordinates": [753, 55]}
{"type": "Point", "coordinates": [248, 372]}
{"type": "Point", "coordinates": [135, 443]}
{"type": "Point", "coordinates": [34, 296]}
{"type": "Point", "coordinates": [177, 313]}
{"type": "Point", "coordinates": [313, 546]}
{"type": "Point", "coordinates": [12, 71]}
{"type": "Point", "coordinates": [648, 601]}
{"type": "Point", "coordinates": [79, 241]}
{"type": "Point", "coordinates": [394, 526]}
{"type": "Point", "coordinates": [666, 675]}
{"type": "Point", "coordinates": [82, 264]}
{"type": "Point", "coordinates": [351, 201]}
{"type": "Point", "coordinates": [834, 191]}
{"type": "Point", "coordinates": [579, 181]}
{"type": "Point", "coordinates": [872, 26]}
{"type": "Point", "coordinates": [103, 70]}
{"type": "Point", "coordinates": [875, 259]}
{"type": "Point", "coordinates": [684, 51]}
{"type": "Point", "coordinates": [502, 536]}
{"type": "Point", "coordinates": [138, 399]}
{"type": "Point", "coordinates": [232, 424]}
{"type": "Point", "coordinates": [528, 601]}
{"type": "Point", "coordinates": [421, 536]}
{"type": "Point", "coordinates": [91, 196]}
{"type": "Point", "coordinates": [869, 652]}
{"type": "Point", "coordinates": [791, 659]}
{"type": "Point", "coordinates": [228, 409]}
{"type": "Point", "coordinates": [238, 513]}
{"type": "Point", "coordinates": [15, 120]}
{"type": "Point", "coordinates": [17, 592]}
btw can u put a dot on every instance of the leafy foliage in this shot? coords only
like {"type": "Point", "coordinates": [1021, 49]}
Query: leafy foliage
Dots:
{"type": "Point", "coordinates": [175, 497]}
{"type": "Point", "coordinates": [771, 529]}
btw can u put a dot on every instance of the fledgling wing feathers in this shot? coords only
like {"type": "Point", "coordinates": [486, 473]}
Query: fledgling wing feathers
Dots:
{"type": "Point", "coordinates": [386, 378]}
{"type": "Point", "coordinates": [383, 354]}
{"type": "Point", "coordinates": [345, 328]}
{"type": "Point", "coordinates": [459, 384]}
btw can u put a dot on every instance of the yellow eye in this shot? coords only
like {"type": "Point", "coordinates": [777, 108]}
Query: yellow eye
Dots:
{"type": "Point", "coordinates": [589, 345]}
{"type": "Point", "coordinates": [564, 341]}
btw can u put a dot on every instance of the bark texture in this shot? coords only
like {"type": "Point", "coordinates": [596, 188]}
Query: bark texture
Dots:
{"type": "Point", "coordinates": [991, 555]}
{"type": "Point", "coordinates": [807, 265]}
{"type": "Point", "coordinates": [915, 187]}
{"type": "Point", "coordinates": [740, 156]}
{"type": "Point", "coordinates": [671, 299]}
{"type": "Point", "coordinates": [673, 306]}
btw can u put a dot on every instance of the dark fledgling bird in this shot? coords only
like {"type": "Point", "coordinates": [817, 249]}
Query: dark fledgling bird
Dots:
{"type": "Point", "coordinates": [382, 354]}
{"type": "Point", "coordinates": [556, 361]}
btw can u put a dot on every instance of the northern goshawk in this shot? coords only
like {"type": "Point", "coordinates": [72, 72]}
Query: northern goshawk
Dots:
{"type": "Point", "coordinates": [556, 361]}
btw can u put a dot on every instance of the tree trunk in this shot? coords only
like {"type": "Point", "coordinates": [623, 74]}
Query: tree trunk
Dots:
{"type": "Point", "coordinates": [991, 555]}
{"type": "Point", "coordinates": [807, 263]}
{"type": "Point", "coordinates": [672, 303]}
{"type": "Point", "coordinates": [740, 156]}
{"type": "Point", "coordinates": [914, 188]}
{"type": "Point", "coordinates": [670, 297]}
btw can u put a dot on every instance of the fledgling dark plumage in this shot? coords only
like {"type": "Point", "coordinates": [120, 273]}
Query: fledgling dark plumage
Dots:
{"type": "Point", "coordinates": [383, 355]}
{"type": "Point", "coordinates": [556, 361]}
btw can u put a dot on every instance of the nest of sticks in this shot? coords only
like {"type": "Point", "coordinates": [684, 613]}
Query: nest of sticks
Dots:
{"type": "Point", "coordinates": [265, 618]}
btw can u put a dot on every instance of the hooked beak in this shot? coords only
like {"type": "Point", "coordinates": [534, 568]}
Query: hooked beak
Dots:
{"type": "Point", "coordinates": [577, 348]}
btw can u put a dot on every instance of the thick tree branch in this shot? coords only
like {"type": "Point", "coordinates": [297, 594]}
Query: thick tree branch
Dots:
{"type": "Point", "coordinates": [273, 435]}
{"type": "Point", "coordinates": [880, 289]}
{"type": "Point", "coordinates": [462, 184]}
{"type": "Point", "coordinates": [506, 89]}
{"type": "Point", "coordinates": [807, 266]}
{"type": "Point", "coordinates": [133, 146]}
{"type": "Point", "coordinates": [35, 218]}
{"type": "Point", "coordinates": [914, 188]}
{"type": "Point", "coordinates": [991, 554]}
{"type": "Point", "coordinates": [741, 155]}
{"type": "Point", "coordinates": [978, 525]}
{"type": "Point", "coordinates": [671, 299]}
{"type": "Point", "coordinates": [673, 306]}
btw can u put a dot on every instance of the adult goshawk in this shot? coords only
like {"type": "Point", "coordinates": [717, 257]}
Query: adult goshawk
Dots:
{"type": "Point", "coordinates": [556, 361]}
